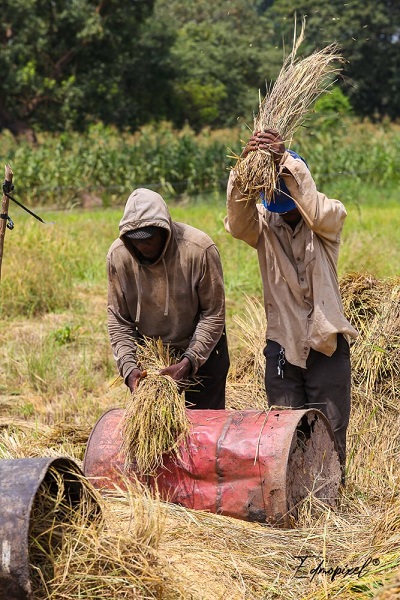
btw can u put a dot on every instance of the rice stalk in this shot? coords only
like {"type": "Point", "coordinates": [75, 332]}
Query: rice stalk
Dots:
{"type": "Point", "coordinates": [252, 334]}
{"type": "Point", "coordinates": [245, 386]}
{"type": "Point", "coordinates": [155, 420]}
{"type": "Point", "coordinates": [284, 108]}
{"type": "Point", "coordinates": [375, 310]}
{"type": "Point", "coordinates": [67, 432]}
{"type": "Point", "coordinates": [118, 560]}
{"type": "Point", "coordinates": [249, 560]}
{"type": "Point", "coordinates": [362, 298]}
{"type": "Point", "coordinates": [200, 555]}
{"type": "Point", "coordinates": [56, 507]}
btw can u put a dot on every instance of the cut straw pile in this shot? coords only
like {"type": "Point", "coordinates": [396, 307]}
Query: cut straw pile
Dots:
{"type": "Point", "coordinates": [152, 549]}
{"type": "Point", "coordinates": [74, 555]}
{"type": "Point", "coordinates": [155, 421]}
{"type": "Point", "coordinates": [284, 109]}
{"type": "Point", "coordinates": [245, 385]}
{"type": "Point", "coordinates": [373, 307]}
{"type": "Point", "coordinates": [54, 512]}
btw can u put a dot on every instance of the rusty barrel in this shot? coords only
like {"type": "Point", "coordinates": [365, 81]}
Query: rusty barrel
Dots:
{"type": "Point", "coordinates": [21, 481]}
{"type": "Point", "coordinates": [252, 465]}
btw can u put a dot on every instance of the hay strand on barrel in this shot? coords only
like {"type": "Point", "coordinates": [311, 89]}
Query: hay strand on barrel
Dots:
{"type": "Point", "coordinates": [155, 420]}
{"type": "Point", "coordinates": [284, 108]}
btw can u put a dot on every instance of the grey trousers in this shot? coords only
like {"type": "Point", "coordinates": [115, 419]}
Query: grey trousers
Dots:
{"type": "Point", "coordinates": [324, 385]}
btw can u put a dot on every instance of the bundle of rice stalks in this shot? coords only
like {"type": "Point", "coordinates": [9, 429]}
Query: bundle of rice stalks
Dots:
{"type": "Point", "coordinates": [362, 298]}
{"type": "Point", "coordinates": [149, 549]}
{"type": "Point", "coordinates": [14, 423]}
{"type": "Point", "coordinates": [284, 108]}
{"type": "Point", "coordinates": [376, 352]}
{"type": "Point", "coordinates": [222, 557]}
{"type": "Point", "coordinates": [20, 441]}
{"type": "Point", "coordinates": [55, 508]}
{"type": "Point", "coordinates": [373, 307]}
{"type": "Point", "coordinates": [115, 560]}
{"type": "Point", "coordinates": [246, 388]}
{"type": "Point", "coordinates": [68, 432]}
{"type": "Point", "coordinates": [155, 421]}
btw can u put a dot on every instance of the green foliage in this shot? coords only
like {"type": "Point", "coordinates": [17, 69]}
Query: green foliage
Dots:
{"type": "Point", "coordinates": [28, 410]}
{"type": "Point", "coordinates": [71, 63]}
{"type": "Point", "coordinates": [224, 57]}
{"type": "Point", "coordinates": [44, 265]}
{"type": "Point", "coordinates": [351, 153]}
{"type": "Point", "coordinates": [39, 362]}
{"type": "Point", "coordinates": [333, 102]}
{"type": "Point", "coordinates": [32, 281]}
{"type": "Point", "coordinates": [65, 335]}
{"type": "Point", "coordinates": [371, 238]}
{"type": "Point", "coordinates": [367, 32]}
{"type": "Point", "coordinates": [60, 168]}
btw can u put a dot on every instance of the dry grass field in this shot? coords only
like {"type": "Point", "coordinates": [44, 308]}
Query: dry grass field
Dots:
{"type": "Point", "coordinates": [56, 376]}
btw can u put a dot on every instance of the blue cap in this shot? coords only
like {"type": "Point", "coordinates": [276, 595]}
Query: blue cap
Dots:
{"type": "Point", "coordinates": [281, 200]}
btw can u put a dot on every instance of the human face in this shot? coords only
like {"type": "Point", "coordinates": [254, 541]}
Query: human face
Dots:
{"type": "Point", "coordinates": [292, 217]}
{"type": "Point", "coordinates": [152, 247]}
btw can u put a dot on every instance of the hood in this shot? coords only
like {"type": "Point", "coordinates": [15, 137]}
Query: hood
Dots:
{"type": "Point", "coordinates": [143, 208]}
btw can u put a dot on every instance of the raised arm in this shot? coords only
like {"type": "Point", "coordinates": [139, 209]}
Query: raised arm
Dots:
{"type": "Point", "coordinates": [242, 220]}
{"type": "Point", "coordinates": [323, 215]}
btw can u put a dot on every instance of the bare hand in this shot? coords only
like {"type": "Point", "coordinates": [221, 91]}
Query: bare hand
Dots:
{"type": "Point", "coordinates": [179, 371]}
{"type": "Point", "coordinates": [266, 140]}
{"type": "Point", "coordinates": [134, 378]}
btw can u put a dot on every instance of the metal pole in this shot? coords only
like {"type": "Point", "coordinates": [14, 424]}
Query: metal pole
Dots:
{"type": "Point", "coordinates": [4, 209]}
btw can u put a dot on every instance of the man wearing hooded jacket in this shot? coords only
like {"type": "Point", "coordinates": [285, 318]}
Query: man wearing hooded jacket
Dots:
{"type": "Point", "coordinates": [165, 281]}
{"type": "Point", "coordinates": [297, 238]}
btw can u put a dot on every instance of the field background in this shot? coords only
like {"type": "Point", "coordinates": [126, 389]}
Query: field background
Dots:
{"type": "Point", "coordinates": [98, 98]}
{"type": "Point", "coordinates": [56, 368]}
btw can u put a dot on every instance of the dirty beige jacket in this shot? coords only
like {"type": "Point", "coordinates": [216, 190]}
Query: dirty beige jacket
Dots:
{"type": "Point", "coordinates": [180, 298]}
{"type": "Point", "coordinates": [298, 268]}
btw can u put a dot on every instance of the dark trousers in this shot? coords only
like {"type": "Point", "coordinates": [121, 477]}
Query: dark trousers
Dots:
{"type": "Point", "coordinates": [209, 390]}
{"type": "Point", "coordinates": [324, 385]}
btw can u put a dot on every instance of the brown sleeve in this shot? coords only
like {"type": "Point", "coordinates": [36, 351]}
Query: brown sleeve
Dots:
{"type": "Point", "coordinates": [212, 306]}
{"type": "Point", "coordinates": [121, 330]}
{"type": "Point", "coordinates": [242, 220]}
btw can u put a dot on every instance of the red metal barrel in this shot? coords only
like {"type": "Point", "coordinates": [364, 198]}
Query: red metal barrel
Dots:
{"type": "Point", "coordinates": [253, 465]}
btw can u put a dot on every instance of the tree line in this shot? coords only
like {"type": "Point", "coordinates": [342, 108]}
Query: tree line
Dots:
{"type": "Point", "coordinates": [66, 64]}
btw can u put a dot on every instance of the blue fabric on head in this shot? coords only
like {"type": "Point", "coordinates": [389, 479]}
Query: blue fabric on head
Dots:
{"type": "Point", "coordinates": [281, 201]}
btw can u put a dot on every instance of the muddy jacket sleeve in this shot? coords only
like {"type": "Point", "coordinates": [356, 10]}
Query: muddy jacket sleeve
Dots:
{"type": "Point", "coordinates": [122, 332]}
{"type": "Point", "coordinates": [211, 321]}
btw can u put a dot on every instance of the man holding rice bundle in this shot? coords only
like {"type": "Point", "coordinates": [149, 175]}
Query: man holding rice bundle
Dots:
{"type": "Point", "coordinates": [165, 281]}
{"type": "Point", "coordinates": [297, 236]}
